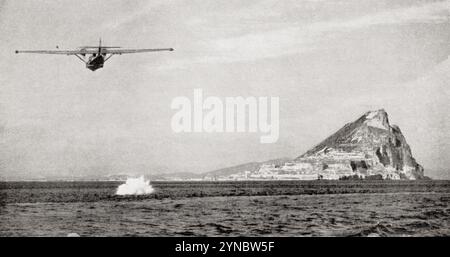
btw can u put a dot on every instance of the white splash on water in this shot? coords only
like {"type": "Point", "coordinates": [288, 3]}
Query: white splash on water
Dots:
{"type": "Point", "coordinates": [135, 186]}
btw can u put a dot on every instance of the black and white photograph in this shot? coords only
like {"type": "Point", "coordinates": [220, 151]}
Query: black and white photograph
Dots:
{"type": "Point", "coordinates": [224, 118]}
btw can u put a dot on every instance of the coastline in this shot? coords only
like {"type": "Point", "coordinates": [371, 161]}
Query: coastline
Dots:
{"type": "Point", "coordinates": [92, 191]}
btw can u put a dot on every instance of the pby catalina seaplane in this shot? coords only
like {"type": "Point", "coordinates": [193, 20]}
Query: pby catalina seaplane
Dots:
{"type": "Point", "coordinates": [98, 54]}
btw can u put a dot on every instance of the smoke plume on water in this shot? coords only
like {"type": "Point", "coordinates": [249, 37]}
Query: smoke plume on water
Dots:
{"type": "Point", "coordinates": [135, 186]}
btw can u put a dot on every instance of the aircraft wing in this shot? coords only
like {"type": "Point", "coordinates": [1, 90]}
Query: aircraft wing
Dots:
{"type": "Point", "coordinates": [133, 51]}
{"type": "Point", "coordinates": [63, 52]}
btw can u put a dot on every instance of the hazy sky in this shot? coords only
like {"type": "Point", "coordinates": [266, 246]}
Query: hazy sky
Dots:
{"type": "Point", "coordinates": [327, 61]}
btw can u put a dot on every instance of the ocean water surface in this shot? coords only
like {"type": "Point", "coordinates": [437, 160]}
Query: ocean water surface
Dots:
{"type": "Point", "coordinates": [225, 209]}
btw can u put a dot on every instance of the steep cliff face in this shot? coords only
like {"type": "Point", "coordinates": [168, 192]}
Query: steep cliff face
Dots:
{"type": "Point", "coordinates": [365, 147]}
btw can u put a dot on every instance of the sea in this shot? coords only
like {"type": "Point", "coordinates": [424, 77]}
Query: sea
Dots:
{"type": "Point", "coordinates": [234, 208]}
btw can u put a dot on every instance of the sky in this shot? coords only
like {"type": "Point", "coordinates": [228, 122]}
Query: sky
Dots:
{"type": "Point", "coordinates": [327, 61]}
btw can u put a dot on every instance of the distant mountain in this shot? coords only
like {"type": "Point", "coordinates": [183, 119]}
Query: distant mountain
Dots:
{"type": "Point", "coordinates": [367, 146]}
{"type": "Point", "coordinates": [370, 147]}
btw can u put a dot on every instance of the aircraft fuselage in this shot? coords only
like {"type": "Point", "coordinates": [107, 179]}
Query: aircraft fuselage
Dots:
{"type": "Point", "coordinates": [95, 62]}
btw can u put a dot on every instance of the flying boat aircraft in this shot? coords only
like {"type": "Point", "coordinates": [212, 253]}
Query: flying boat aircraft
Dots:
{"type": "Point", "coordinates": [95, 56]}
